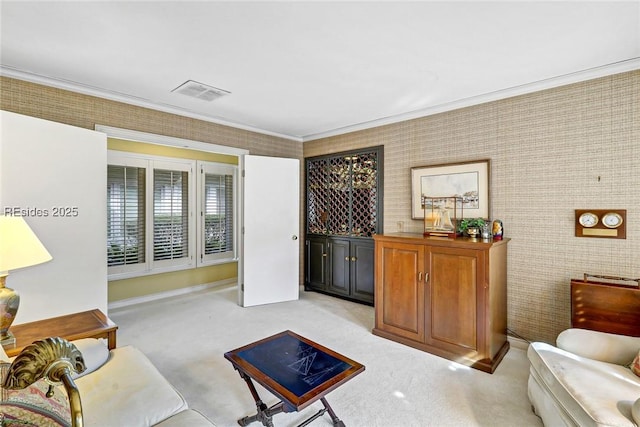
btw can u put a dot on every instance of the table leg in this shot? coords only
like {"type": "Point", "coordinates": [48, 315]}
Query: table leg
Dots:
{"type": "Point", "coordinates": [264, 414]}
{"type": "Point", "coordinates": [327, 408]}
{"type": "Point", "coordinates": [337, 422]}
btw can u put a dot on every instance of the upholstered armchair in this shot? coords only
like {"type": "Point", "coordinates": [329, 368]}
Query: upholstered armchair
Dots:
{"type": "Point", "coordinates": [588, 378]}
{"type": "Point", "coordinates": [45, 364]}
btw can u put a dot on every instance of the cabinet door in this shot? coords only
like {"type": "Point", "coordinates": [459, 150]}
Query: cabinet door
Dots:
{"type": "Point", "coordinates": [316, 263]}
{"type": "Point", "coordinates": [339, 263]}
{"type": "Point", "coordinates": [454, 297]}
{"type": "Point", "coordinates": [399, 290]}
{"type": "Point", "coordinates": [362, 277]}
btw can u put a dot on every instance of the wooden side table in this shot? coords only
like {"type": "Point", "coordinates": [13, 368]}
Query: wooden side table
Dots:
{"type": "Point", "coordinates": [87, 324]}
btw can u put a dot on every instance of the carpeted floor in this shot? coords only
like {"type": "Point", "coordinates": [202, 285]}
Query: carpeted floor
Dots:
{"type": "Point", "coordinates": [186, 337]}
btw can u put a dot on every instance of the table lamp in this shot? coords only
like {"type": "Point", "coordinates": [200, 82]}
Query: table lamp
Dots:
{"type": "Point", "coordinates": [19, 247]}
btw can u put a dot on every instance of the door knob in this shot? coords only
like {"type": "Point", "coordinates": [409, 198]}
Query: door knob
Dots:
{"type": "Point", "coordinates": [294, 237]}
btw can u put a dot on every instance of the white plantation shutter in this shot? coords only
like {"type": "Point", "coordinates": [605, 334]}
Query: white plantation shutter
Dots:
{"type": "Point", "coordinates": [125, 215]}
{"type": "Point", "coordinates": [125, 218]}
{"type": "Point", "coordinates": [172, 219]}
{"type": "Point", "coordinates": [170, 214]}
{"type": "Point", "coordinates": [160, 214]}
{"type": "Point", "coordinates": [217, 212]}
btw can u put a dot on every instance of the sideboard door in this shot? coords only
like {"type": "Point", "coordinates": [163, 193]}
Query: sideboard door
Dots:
{"type": "Point", "coordinates": [399, 293]}
{"type": "Point", "coordinates": [454, 293]}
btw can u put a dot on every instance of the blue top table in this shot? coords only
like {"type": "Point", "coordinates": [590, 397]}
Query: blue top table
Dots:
{"type": "Point", "coordinates": [296, 370]}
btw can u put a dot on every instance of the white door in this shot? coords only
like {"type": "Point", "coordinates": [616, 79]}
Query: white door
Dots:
{"type": "Point", "coordinates": [269, 266]}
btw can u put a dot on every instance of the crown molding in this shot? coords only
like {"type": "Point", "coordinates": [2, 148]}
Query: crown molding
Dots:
{"type": "Point", "coordinates": [592, 73]}
{"type": "Point", "coordinates": [132, 100]}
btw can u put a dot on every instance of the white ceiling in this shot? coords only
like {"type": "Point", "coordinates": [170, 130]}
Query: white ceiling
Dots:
{"type": "Point", "coordinates": [304, 70]}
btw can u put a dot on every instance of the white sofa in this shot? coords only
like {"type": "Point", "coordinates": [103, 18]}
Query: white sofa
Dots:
{"type": "Point", "coordinates": [121, 387]}
{"type": "Point", "coordinates": [585, 380]}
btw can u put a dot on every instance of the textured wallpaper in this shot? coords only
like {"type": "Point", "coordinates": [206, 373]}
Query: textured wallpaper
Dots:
{"type": "Point", "coordinates": [553, 151]}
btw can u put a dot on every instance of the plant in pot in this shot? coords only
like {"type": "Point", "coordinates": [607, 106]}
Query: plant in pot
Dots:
{"type": "Point", "coordinates": [471, 226]}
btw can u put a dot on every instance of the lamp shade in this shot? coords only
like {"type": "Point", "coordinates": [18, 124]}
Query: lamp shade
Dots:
{"type": "Point", "coordinates": [19, 246]}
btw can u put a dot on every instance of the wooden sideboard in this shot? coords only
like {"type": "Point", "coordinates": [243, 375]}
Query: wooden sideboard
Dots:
{"type": "Point", "coordinates": [444, 296]}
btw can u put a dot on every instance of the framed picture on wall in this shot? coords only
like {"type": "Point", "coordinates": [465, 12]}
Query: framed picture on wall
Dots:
{"type": "Point", "coordinates": [468, 180]}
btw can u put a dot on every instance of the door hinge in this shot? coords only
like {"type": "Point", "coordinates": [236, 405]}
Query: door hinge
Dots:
{"type": "Point", "coordinates": [242, 287]}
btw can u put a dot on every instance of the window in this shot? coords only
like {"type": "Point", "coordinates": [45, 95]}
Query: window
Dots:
{"type": "Point", "coordinates": [125, 215]}
{"type": "Point", "coordinates": [153, 204]}
{"type": "Point", "coordinates": [217, 211]}
{"type": "Point", "coordinates": [170, 214]}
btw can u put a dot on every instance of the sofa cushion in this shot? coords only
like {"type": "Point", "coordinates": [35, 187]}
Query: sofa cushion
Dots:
{"type": "Point", "coordinates": [31, 407]}
{"type": "Point", "coordinates": [602, 346]}
{"type": "Point", "coordinates": [128, 391]}
{"type": "Point", "coordinates": [572, 381]}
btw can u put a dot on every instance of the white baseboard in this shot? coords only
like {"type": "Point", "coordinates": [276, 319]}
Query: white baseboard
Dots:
{"type": "Point", "coordinates": [169, 294]}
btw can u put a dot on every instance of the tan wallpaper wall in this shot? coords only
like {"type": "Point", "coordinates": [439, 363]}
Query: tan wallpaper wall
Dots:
{"type": "Point", "coordinates": [573, 147]}
{"type": "Point", "coordinates": [547, 151]}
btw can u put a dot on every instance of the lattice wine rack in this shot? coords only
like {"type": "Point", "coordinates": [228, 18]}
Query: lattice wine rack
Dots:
{"type": "Point", "coordinates": [342, 194]}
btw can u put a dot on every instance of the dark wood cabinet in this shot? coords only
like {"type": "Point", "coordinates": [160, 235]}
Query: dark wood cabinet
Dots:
{"type": "Point", "coordinates": [341, 267]}
{"type": "Point", "coordinates": [315, 262]}
{"type": "Point", "coordinates": [443, 296]}
{"type": "Point", "coordinates": [362, 270]}
{"type": "Point", "coordinates": [343, 212]}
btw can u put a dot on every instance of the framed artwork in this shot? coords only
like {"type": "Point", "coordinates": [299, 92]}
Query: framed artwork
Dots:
{"type": "Point", "coordinates": [467, 180]}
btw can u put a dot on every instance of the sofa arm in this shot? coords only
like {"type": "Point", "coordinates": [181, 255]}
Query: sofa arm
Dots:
{"type": "Point", "coordinates": [602, 346]}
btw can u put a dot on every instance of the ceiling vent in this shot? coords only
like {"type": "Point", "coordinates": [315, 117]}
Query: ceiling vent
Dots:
{"type": "Point", "coordinates": [201, 91]}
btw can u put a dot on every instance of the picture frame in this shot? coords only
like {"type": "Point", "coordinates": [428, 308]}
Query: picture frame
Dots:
{"type": "Point", "coordinates": [470, 180]}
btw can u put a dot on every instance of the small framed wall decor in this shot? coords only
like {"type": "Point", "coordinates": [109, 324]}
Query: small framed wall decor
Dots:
{"type": "Point", "coordinates": [467, 180]}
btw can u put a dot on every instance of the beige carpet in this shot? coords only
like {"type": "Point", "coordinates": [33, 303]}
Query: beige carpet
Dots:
{"type": "Point", "coordinates": [186, 337]}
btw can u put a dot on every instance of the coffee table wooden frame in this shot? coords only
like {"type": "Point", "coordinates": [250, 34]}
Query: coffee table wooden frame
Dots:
{"type": "Point", "coordinates": [289, 401]}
